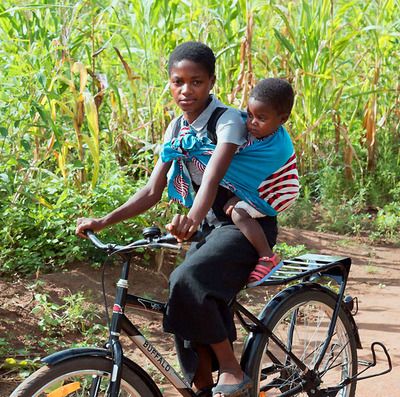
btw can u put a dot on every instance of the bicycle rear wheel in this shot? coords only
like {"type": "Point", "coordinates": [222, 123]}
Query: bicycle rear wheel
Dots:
{"type": "Point", "coordinates": [82, 376]}
{"type": "Point", "coordinates": [300, 318]}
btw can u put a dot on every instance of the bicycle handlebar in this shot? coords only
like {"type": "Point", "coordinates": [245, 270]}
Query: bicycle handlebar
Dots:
{"type": "Point", "coordinates": [155, 241]}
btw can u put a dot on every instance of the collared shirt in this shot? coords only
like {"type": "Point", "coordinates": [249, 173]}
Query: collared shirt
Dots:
{"type": "Point", "coordinates": [229, 129]}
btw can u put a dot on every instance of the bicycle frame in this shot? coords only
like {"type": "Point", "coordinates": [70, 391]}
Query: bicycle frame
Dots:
{"type": "Point", "coordinates": [334, 267]}
{"type": "Point", "coordinates": [120, 322]}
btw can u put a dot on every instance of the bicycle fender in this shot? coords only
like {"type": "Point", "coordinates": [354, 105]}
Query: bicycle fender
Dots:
{"type": "Point", "coordinates": [68, 354]}
{"type": "Point", "coordinates": [266, 312]}
{"type": "Point", "coordinates": [57, 357]}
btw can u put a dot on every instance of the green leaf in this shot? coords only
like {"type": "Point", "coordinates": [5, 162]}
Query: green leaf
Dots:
{"type": "Point", "coordinates": [23, 162]}
{"type": "Point", "coordinates": [4, 131]}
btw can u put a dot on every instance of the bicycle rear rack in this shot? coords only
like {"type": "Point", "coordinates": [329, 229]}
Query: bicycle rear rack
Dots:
{"type": "Point", "coordinates": [311, 265]}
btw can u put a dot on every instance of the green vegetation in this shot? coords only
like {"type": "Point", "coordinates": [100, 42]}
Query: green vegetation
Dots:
{"type": "Point", "coordinates": [84, 103]}
{"type": "Point", "coordinates": [77, 316]}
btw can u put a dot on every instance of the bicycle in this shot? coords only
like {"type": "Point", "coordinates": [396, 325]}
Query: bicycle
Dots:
{"type": "Point", "coordinates": [304, 342]}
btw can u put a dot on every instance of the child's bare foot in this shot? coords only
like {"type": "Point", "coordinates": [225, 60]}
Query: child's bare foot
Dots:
{"type": "Point", "coordinates": [230, 205]}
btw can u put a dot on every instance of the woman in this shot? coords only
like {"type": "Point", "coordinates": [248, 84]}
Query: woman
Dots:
{"type": "Point", "coordinates": [216, 268]}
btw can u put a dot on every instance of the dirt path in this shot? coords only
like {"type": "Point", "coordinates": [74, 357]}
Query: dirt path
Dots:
{"type": "Point", "coordinates": [374, 279]}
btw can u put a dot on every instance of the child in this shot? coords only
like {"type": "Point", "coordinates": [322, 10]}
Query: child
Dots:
{"type": "Point", "coordinates": [269, 107]}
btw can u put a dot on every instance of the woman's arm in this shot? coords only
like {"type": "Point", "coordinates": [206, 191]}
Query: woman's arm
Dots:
{"type": "Point", "coordinates": [183, 226]}
{"type": "Point", "coordinates": [140, 202]}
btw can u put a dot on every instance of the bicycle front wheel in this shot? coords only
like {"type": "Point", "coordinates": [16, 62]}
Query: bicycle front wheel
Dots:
{"type": "Point", "coordinates": [300, 318]}
{"type": "Point", "coordinates": [82, 376]}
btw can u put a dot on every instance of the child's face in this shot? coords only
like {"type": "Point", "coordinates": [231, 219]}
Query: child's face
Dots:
{"type": "Point", "coordinates": [263, 119]}
{"type": "Point", "coordinates": [190, 87]}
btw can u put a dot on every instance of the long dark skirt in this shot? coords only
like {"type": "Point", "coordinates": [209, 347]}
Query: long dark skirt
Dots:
{"type": "Point", "coordinates": [213, 272]}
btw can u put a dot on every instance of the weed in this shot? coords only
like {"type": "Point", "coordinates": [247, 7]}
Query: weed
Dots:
{"type": "Point", "coordinates": [343, 242]}
{"type": "Point", "coordinates": [388, 220]}
{"type": "Point", "coordinates": [73, 315]}
{"type": "Point", "coordinates": [370, 268]}
{"type": "Point", "coordinates": [284, 250]}
{"type": "Point", "coordinates": [23, 367]}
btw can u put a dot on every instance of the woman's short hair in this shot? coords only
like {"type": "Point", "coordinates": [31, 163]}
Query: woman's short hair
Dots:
{"type": "Point", "coordinates": [193, 51]}
{"type": "Point", "coordinates": [275, 92]}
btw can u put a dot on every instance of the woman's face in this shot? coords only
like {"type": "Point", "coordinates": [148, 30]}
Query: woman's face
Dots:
{"type": "Point", "coordinates": [190, 87]}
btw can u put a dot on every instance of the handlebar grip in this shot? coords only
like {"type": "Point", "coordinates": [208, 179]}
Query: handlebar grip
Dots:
{"type": "Point", "coordinates": [88, 232]}
{"type": "Point", "coordinates": [95, 241]}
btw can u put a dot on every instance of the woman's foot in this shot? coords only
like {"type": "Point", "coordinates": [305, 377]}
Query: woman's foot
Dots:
{"type": "Point", "coordinates": [231, 385]}
{"type": "Point", "coordinates": [205, 391]}
{"type": "Point", "coordinates": [230, 377]}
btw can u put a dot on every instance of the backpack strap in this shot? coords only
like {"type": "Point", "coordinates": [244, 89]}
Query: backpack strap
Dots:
{"type": "Point", "coordinates": [177, 127]}
{"type": "Point", "coordinates": [212, 123]}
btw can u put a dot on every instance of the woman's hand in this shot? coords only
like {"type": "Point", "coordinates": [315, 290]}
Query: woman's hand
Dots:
{"type": "Point", "coordinates": [182, 227]}
{"type": "Point", "coordinates": [87, 223]}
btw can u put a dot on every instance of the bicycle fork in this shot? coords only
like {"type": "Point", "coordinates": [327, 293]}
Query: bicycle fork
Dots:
{"type": "Point", "coordinates": [113, 343]}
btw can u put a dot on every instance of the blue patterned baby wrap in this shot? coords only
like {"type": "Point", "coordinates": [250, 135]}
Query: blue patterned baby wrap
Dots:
{"type": "Point", "coordinates": [263, 173]}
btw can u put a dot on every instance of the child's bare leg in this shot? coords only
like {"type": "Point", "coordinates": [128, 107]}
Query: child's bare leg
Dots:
{"type": "Point", "coordinates": [252, 230]}
{"type": "Point", "coordinates": [254, 233]}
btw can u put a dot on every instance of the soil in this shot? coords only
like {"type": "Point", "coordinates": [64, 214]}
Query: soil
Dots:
{"type": "Point", "coordinates": [374, 280]}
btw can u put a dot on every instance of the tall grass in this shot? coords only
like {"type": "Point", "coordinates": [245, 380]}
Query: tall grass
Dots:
{"type": "Point", "coordinates": [84, 86]}
{"type": "Point", "coordinates": [339, 55]}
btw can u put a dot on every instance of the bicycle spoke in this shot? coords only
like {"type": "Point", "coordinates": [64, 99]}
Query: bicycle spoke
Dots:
{"type": "Point", "coordinates": [303, 327]}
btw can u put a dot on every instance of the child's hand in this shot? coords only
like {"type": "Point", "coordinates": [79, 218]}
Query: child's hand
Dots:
{"type": "Point", "coordinates": [230, 205]}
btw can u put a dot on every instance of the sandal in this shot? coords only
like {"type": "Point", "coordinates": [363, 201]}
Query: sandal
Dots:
{"type": "Point", "coordinates": [261, 272]}
{"type": "Point", "coordinates": [205, 391]}
{"type": "Point", "coordinates": [234, 390]}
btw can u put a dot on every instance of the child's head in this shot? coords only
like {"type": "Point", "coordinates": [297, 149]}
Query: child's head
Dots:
{"type": "Point", "coordinates": [191, 69]}
{"type": "Point", "coordinates": [270, 104]}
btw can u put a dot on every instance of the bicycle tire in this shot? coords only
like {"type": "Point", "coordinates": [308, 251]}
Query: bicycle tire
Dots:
{"type": "Point", "coordinates": [312, 306]}
{"type": "Point", "coordinates": [79, 372]}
